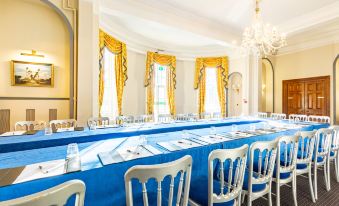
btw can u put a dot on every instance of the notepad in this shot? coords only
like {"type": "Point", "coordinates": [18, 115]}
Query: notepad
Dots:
{"type": "Point", "coordinates": [15, 133]}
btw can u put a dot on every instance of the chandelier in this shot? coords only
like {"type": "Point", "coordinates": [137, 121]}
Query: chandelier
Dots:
{"type": "Point", "coordinates": [262, 39]}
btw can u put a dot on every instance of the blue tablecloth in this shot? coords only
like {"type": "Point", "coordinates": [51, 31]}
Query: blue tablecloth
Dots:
{"type": "Point", "coordinates": [105, 184]}
{"type": "Point", "coordinates": [39, 140]}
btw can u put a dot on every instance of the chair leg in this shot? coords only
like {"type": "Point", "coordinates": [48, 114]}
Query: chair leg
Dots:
{"type": "Point", "coordinates": [243, 198]}
{"type": "Point", "coordinates": [315, 181]}
{"type": "Point", "coordinates": [239, 200]}
{"type": "Point", "coordinates": [294, 188]}
{"type": "Point", "coordinates": [329, 173]}
{"type": "Point", "coordinates": [310, 183]}
{"type": "Point", "coordinates": [270, 195]}
{"type": "Point", "coordinates": [337, 166]}
{"type": "Point", "coordinates": [278, 193]}
{"type": "Point", "coordinates": [249, 200]}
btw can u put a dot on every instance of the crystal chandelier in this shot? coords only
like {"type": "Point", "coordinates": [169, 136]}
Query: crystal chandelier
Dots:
{"type": "Point", "coordinates": [262, 39]}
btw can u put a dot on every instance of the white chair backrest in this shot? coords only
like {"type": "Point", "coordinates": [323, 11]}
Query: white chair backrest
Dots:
{"type": "Point", "coordinates": [297, 117]}
{"type": "Point", "coordinates": [163, 118]}
{"type": "Point", "coordinates": [29, 125]}
{"type": "Point", "coordinates": [55, 196]}
{"type": "Point", "coordinates": [287, 154]}
{"type": "Point", "coordinates": [323, 143]}
{"type": "Point", "coordinates": [306, 146]}
{"type": "Point", "coordinates": [233, 161]}
{"type": "Point", "coordinates": [143, 118]}
{"type": "Point", "coordinates": [265, 154]}
{"type": "Point", "coordinates": [98, 121]}
{"type": "Point", "coordinates": [192, 116]}
{"type": "Point", "coordinates": [124, 119]}
{"type": "Point", "coordinates": [64, 123]}
{"type": "Point", "coordinates": [217, 115]}
{"type": "Point", "coordinates": [335, 138]}
{"type": "Point", "coordinates": [205, 115]}
{"type": "Point", "coordinates": [262, 115]}
{"type": "Point", "coordinates": [278, 116]}
{"type": "Point", "coordinates": [320, 119]}
{"type": "Point", "coordinates": [181, 117]}
{"type": "Point", "coordinates": [145, 172]}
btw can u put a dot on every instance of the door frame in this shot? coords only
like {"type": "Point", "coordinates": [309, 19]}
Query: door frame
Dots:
{"type": "Point", "coordinates": [327, 92]}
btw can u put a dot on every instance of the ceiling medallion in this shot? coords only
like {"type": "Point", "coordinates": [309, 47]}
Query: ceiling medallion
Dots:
{"type": "Point", "coordinates": [262, 39]}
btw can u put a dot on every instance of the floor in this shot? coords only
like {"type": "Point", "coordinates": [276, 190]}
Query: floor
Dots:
{"type": "Point", "coordinates": [304, 198]}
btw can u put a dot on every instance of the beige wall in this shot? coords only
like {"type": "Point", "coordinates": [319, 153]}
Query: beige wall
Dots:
{"type": "Point", "coordinates": [26, 25]}
{"type": "Point", "coordinates": [308, 63]}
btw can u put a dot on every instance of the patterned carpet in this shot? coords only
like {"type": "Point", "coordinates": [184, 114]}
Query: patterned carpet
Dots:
{"type": "Point", "coordinates": [304, 197]}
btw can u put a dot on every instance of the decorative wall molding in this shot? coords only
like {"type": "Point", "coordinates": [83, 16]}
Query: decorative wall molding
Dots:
{"type": "Point", "coordinates": [34, 98]}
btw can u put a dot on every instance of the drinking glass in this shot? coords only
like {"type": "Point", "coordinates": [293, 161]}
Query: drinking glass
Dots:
{"type": "Point", "coordinates": [213, 131]}
{"type": "Point", "coordinates": [92, 126]}
{"type": "Point", "coordinates": [48, 130]}
{"type": "Point", "coordinates": [72, 150]}
{"type": "Point", "coordinates": [184, 134]}
{"type": "Point", "coordinates": [143, 140]}
{"type": "Point", "coordinates": [234, 128]}
{"type": "Point", "coordinates": [252, 128]}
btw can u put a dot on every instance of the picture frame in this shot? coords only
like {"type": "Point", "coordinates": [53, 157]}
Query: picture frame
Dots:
{"type": "Point", "coordinates": [32, 74]}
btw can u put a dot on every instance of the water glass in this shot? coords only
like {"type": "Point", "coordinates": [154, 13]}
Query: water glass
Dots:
{"type": "Point", "coordinates": [143, 140]}
{"type": "Point", "coordinates": [234, 128]}
{"type": "Point", "coordinates": [184, 134]}
{"type": "Point", "coordinates": [72, 150]}
{"type": "Point", "coordinates": [92, 126]}
{"type": "Point", "coordinates": [252, 128]}
{"type": "Point", "coordinates": [48, 130]}
{"type": "Point", "coordinates": [213, 131]}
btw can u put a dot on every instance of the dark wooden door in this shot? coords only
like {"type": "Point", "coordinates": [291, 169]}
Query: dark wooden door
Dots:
{"type": "Point", "coordinates": [310, 96]}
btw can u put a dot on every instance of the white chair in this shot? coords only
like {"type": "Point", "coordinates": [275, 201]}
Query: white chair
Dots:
{"type": "Point", "coordinates": [217, 115]}
{"type": "Point", "coordinates": [321, 154]}
{"type": "Point", "coordinates": [278, 116]}
{"type": "Point", "coordinates": [260, 172]}
{"type": "Point", "coordinates": [143, 118]}
{"type": "Point", "coordinates": [305, 155]}
{"type": "Point", "coordinates": [56, 196]}
{"type": "Point", "coordinates": [158, 172]}
{"type": "Point", "coordinates": [286, 165]}
{"type": "Point", "coordinates": [228, 187]}
{"type": "Point", "coordinates": [65, 123]}
{"type": "Point", "coordinates": [262, 115]}
{"type": "Point", "coordinates": [193, 116]}
{"type": "Point", "coordinates": [334, 153]}
{"type": "Point", "coordinates": [181, 117]}
{"type": "Point", "coordinates": [124, 119]}
{"type": "Point", "coordinates": [29, 125]}
{"type": "Point", "coordinates": [164, 118]}
{"type": "Point", "coordinates": [320, 119]}
{"type": "Point", "coordinates": [297, 117]}
{"type": "Point", "coordinates": [98, 121]}
{"type": "Point", "coordinates": [205, 115]}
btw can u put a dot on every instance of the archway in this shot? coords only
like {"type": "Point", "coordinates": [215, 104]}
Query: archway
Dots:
{"type": "Point", "coordinates": [335, 85]}
{"type": "Point", "coordinates": [267, 85]}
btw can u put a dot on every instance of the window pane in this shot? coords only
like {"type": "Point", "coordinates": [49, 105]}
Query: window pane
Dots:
{"type": "Point", "coordinates": [211, 99]}
{"type": "Point", "coordinates": [109, 105]}
{"type": "Point", "coordinates": [160, 90]}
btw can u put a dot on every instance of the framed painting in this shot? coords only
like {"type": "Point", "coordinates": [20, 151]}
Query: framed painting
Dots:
{"type": "Point", "coordinates": [32, 74]}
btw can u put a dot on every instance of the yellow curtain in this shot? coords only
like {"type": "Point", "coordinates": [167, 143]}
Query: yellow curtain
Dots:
{"type": "Point", "coordinates": [119, 49]}
{"type": "Point", "coordinates": [165, 60]}
{"type": "Point", "coordinates": [221, 63]}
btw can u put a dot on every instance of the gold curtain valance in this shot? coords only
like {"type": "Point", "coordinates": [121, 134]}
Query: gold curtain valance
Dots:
{"type": "Point", "coordinates": [162, 59]}
{"type": "Point", "coordinates": [119, 49]}
{"type": "Point", "coordinates": [202, 63]}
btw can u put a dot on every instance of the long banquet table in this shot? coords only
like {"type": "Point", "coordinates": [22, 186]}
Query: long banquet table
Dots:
{"type": "Point", "coordinates": [105, 183]}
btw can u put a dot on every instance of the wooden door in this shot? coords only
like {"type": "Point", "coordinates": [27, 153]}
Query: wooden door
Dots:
{"type": "Point", "coordinates": [310, 96]}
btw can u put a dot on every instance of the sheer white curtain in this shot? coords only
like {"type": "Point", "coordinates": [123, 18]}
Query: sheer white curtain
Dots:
{"type": "Point", "coordinates": [211, 98]}
{"type": "Point", "coordinates": [110, 103]}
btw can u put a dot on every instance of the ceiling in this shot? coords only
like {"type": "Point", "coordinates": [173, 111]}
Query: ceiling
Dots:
{"type": "Point", "coordinates": [202, 27]}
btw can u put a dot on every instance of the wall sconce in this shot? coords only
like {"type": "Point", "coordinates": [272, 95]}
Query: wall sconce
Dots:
{"type": "Point", "coordinates": [236, 87]}
{"type": "Point", "coordinates": [33, 53]}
